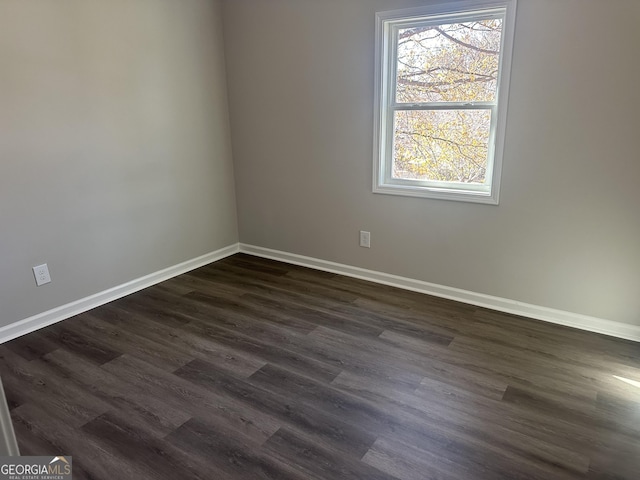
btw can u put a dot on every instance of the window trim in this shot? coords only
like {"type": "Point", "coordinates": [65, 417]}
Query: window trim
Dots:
{"type": "Point", "coordinates": [385, 69]}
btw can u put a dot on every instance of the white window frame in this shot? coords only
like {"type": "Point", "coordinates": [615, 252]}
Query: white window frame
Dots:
{"type": "Point", "coordinates": [387, 23]}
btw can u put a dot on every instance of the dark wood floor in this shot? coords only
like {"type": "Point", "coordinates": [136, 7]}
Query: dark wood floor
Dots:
{"type": "Point", "coordinates": [254, 369]}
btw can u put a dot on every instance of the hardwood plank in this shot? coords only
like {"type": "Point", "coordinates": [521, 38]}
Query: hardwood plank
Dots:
{"type": "Point", "coordinates": [138, 345]}
{"type": "Point", "coordinates": [32, 346]}
{"type": "Point", "coordinates": [249, 368]}
{"type": "Point", "coordinates": [137, 305]}
{"type": "Point", "coordinates": [312, 317]}
{"type": "Point", "coordinates": [40, 385]}
{"type": "Point", "coordinates": [30, 442]}
{"type": "Point", "coordinates": [90, 459]}
{"type": "Point", "coordinates": [485, 363]}
{"type": "Point", "coordinates": [618, 457]}
{"type": "Point", "coordinates": [576, 412]}
{"type": "Point", "coordinates": [250, 276]}
{"type": "Point", "coordinates": [318, 461]}
{"type": "Point", "coordinates": [476, 421]}
{"type": "Point", "coordinates": [243, 310]}
{"type": "Point", "coordinates": [325, 428]}
{"type": "Point", "coordinates": [232, 455]}
{"type": "Point", "coordinates": [198, 282]}
{"type": "Point", "coordinates": [150, 413]}
{"type": "Point", "coordinates": [157, 458]}
{"type": "Point", "coordinates": [65, 335]}
{"type": "Point", "coordinates": [181, 395]}
{"type": "Point", "coordinates": [267, 351]}
{"type": "Point", "coordinates": [180, 340]}
{"type": "Point", "coordinates": [539, 426]}
{"type": "Point", "coordinates": [275, 286]}
{"type": "Point", "coordinates": [406, 462]}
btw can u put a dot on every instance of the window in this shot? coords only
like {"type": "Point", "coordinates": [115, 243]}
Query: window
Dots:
{"type": "Point", "coordinates": [442, 77]}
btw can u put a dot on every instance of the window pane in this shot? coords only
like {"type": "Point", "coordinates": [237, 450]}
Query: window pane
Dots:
{"type": "Point", "coordinates": [455, 62]}
{"type": "Point", "coordinates": [441, 145]}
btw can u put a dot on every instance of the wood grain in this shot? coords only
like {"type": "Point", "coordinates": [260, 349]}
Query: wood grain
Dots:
{"type": "Point", "coordinates": [254, 369]}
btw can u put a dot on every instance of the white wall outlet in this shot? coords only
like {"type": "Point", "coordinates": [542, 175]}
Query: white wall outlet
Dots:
{"type": "Point", "coordinates": [41, 272]}
{"type": "Point", "coordinates": [365, 239]}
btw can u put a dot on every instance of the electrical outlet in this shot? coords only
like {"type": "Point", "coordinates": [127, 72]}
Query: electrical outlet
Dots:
{"type": "Point", "coordinates": [41, 272]}
{"type": "Point", "coordinates": [365, 239]}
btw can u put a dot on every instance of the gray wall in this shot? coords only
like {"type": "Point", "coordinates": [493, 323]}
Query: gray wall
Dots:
{"type": "Point", "coordinates": [566, 234]}
{"type": "Point", "coordinates": [115, 157]}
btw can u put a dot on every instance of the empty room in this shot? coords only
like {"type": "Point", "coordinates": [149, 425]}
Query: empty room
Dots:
{"type": "Point", "coordinates": [319, 239]}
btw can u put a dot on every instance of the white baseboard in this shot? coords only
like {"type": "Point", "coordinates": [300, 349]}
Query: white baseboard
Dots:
{"type": "Point", "coordinates": [63, 312]}
{"type": "Point", "coordinates": [560, 317]}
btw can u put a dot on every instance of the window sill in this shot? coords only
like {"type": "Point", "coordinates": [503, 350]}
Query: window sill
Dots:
{"type": "Point", "coordinates": [486, 198]}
